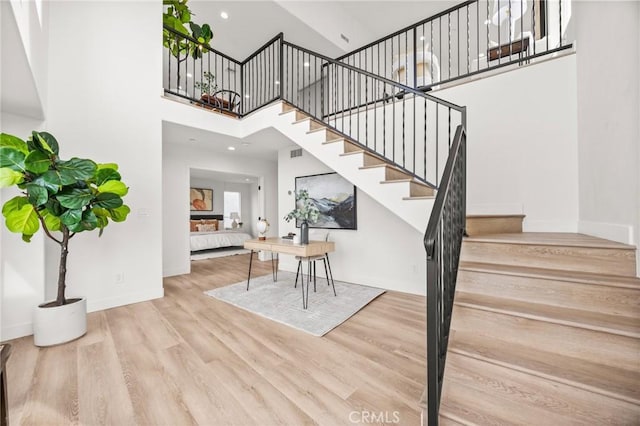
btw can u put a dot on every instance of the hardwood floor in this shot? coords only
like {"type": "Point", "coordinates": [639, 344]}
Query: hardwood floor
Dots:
{"type": "Point", "coordinates": [192, 359]}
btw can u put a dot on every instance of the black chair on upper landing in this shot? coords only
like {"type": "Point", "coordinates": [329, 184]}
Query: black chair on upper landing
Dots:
{"type": "Point", "coordinates": [311, 261]}
{"type": "Point", "coordinates": [227, 100]}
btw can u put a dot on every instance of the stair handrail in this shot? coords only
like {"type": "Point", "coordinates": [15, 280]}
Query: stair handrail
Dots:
{"type": "Point", "coordinates": [443, 243]}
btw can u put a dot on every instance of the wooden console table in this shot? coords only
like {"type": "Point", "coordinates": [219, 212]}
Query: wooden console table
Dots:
{"type": "Point", "coordinates": [5, 351]}
{"type": "Point", "coordinates": [279, 245]}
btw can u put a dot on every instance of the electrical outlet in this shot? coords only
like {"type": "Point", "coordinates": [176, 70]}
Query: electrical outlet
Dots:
{"type": "Point", "coordinates": [119, 278]}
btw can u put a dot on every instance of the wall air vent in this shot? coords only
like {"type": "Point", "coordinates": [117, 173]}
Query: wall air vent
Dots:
{"type": "Point", "coordinates": [296, 153]}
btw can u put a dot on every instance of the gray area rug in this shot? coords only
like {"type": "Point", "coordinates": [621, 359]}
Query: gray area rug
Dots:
{"type": "Point", "coordinates": [223, 252]}
{"type": "Point", "coordinates": [281, 302]}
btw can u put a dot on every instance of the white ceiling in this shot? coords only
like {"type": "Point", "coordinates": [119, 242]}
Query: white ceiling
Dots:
{"type": "Point", "coordinates": [222, 177]}
{"type": "Point", "coordinates": [262, 145]}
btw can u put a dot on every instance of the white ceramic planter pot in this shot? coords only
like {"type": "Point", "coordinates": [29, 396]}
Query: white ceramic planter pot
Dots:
{"type": "Point", "coordinates": [59, 324]}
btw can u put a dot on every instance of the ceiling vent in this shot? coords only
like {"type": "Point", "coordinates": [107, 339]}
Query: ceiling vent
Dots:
{"type": "Point", "coordinates": [296, 153]}
{"type": "Point", "coordinates": [344, 37]}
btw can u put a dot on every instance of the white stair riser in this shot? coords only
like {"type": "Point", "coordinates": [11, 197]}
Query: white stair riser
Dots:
{"type": "Point", "coordinates": [587, 297]}
{"type": "Point", "coordinates": [596, 346]}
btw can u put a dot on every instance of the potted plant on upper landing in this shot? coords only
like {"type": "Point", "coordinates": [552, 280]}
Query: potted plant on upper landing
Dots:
{"type": "Point", "coordinates": [207, 89]}
{"type": "Point", "coordinates": [64, 197]}
{"type": "Point", "coordinates": [306, 211]}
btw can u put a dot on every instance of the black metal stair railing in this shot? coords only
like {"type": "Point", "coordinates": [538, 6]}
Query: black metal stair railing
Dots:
{"type": "Point", "coordinates": [472, 37]}
{"type": "Point", "coordinates": [443, 243]}
{"type": "Point", "coordinates": [410, 129]}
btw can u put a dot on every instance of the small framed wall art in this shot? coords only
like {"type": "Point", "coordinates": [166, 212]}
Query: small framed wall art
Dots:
{"type": "Point", "coordinates": [201, 199]}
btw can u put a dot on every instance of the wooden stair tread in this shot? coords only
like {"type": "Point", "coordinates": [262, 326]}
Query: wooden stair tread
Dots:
{"type": "Point", "coordinates": [551, 239]}
{"type": "Point", "coordinates": [610, 381]}
{"type": "Point", "coordinates": [623, 326]}
{"type": "Point", "coordinates": [553, 274]}
{"type": "Point", "coordinates": [409, 180]}
{"type": "Point", "coordinates": [481, 393]}
{"type": "Point", "coordinates": [487, 216]}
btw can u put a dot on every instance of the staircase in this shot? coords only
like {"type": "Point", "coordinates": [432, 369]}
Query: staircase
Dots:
{"type": "Point", "coordinates": [545, 330]}
{"type": "Point", "coordinates": [392, 187]}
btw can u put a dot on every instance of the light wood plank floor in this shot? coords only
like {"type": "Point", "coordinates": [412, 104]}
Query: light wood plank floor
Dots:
{"type": "Point", "coordinates": [191, 359]}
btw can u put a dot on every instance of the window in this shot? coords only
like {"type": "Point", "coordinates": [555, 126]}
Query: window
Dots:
{"type": "Point", "coordinates": [231, 205]}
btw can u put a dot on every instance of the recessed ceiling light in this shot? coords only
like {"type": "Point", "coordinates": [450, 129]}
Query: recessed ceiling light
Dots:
{"type": "Point", "coordinates": [231, 148]}
{"type": "Point", "coordinates": [247, 180]}
{"type": "Point", "coordinates": [246, 143]}
{"type": "Point", "coordinates": [306, 64]}
{"type": "Point", "coordinates": [224, 15]}
{"type": "Point", "coordinates": [247, 96]}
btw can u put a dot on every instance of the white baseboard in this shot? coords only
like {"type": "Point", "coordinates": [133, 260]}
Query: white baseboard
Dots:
{"type": "Point", "coordinates": [128, 299]}
{"type": "Point", "coordinates": [16, 331]}
{"type": "Point", "coordinates": [549, 226]}
{"type": "Point", "coordinates": [610, 231]}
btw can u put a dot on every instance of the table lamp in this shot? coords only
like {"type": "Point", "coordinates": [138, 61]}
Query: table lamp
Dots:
{"type": "Point", "coordinates": [235, 216]}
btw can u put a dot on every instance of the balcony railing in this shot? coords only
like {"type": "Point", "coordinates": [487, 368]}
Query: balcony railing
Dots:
{"type": "Point", "coordinates": [471, 38]}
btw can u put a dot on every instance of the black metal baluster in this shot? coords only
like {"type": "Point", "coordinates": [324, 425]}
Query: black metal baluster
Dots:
{"type": "Point", "coordinates": [533, 25]}
{"type": "Point", "coordinates": [488, 26]}
{"type": "Point", "coordinates": [366, 104]}
{"type": "Point", "coordinates": [560, 23]}
{"type": "Point", "coordinates": [449, 40]}
{"type": "Point", "coordinates": [425, 139]}
{"type": "Point", "coordinates": [468, 43]}
{"type": "Point", "coordinates": [458, 39]}
{"type": "Point", "coordinates": [437, 144]}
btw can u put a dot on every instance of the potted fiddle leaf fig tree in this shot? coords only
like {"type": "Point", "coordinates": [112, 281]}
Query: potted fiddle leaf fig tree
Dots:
{"type": "Point", "coordinates": [64, 198]}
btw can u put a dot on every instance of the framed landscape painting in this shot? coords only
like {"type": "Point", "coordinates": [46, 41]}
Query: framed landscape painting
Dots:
{"type": "Point", "coordinates": [334, 196]}
{"type": "Point", "coordinates": [201, 199]}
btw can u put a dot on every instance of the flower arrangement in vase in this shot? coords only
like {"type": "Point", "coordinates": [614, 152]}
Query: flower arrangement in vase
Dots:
{"type": "Point", "coordinates": [305, 211]}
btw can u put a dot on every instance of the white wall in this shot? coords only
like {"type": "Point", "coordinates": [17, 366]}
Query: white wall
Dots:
{"type": "Point", "coordinates": [177, 160]}
{"type": "Point", "coordinates": [104, 86]}
{"type": "Point", "coordinates": [22, 275]}
{"type": "Point", "coordinates": [608, 116]}
{"type": "Point", "coordinates": [522, 144]}
{"type": "Point", "coordinates": [383, 252]}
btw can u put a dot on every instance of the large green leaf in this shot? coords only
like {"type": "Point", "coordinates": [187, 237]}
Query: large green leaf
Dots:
{"type": "Point", "coordinates": [37, 194]}
{"type": "Point", "coordinates": [71, 217]}
{"type": "Point", "coordinates": [58, 178]}
{"type": "Point", "coordinates": [75, 198]}
{"type": "Point", "coordinates": [51, 221]}
{"type": "Point", "coordinates": [12, 158]}
{"type": "Point", "coordinates": [120, 214]}
{"type": "Point", "coordinates": [108, 200]}
{"type": "Point", "coordinates": [100, 212]}
{"type": "Point", "coordinates": [104, 175]}
{"type": "Point", "coordinates": [48, 141]}
{"type": "Point", "coordinates": [89, 222]}
{"type": "Point", "coordinates": [9, 177]}
{"type": "Point", "coordinates": [24, 220]}
{"type": "Point", "coordinates": [54, 207]}
{"type": "Point", "coordinates": [102, 166]}
{"type": "Point", "coordinates": [14, 142]}
{"type": "Point", "coordinates": [79, 168]}
{"type": "Point", "coordinates": [114, 187]}
{"type": "Point", "coordinates": [40, 181]}
{"type": "Point", "coordinates": [37, 162]}
{"type": "Point", "coordinates": [16, 203]}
